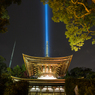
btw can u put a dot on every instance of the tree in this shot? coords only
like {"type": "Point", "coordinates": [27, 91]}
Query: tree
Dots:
{"type": "Point", "coordinates": [5, 81]}
{"type": "Point", "coordinates": [23, 68]}
{"type": "Point", "coordinates": [24, 71]}
{"type": "Point", "coordinates": [79, 17]}
{"type": "Point", "coordinates": [67, 75]}
{"type": "Point", "coordinates": [17, 71]}
{"type": "Point", "coordinates": [2, 65]}
{"type": "Point", "coordinates": [18, 88]}
{"type": "Point", "coordinates": [76, 72]}
{"type": "Point", "coordinates": [90, 75]}
{"type": "Point", "coordinates": [79, 72]}
{"type": "Point", "coordinates": [4, 17]}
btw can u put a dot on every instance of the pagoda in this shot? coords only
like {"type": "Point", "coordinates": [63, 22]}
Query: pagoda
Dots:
{"type": "Point", "coordinates": [43, 66]}
{"type": "Point", "coordinates": [48, 70]}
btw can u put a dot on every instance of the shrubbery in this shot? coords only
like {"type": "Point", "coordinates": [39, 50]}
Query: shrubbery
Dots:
{"type": "Point", "coordinates": [18, 88]}
{"type": "Point", "coordinates": [79, 72]}
{"type": "Point", "coordinates": [85, 86]}
{"type": "Point", "coordinates": [7, 87]}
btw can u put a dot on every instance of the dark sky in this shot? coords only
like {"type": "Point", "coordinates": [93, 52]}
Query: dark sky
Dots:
{"type": "Point", "coordinates": [28, 29]}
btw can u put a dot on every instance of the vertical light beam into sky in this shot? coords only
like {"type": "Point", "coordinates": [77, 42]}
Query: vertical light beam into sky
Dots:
{"type": "Point", "coordinates": [46, 21]}
{"type": "Point", "coordinates": [46, 28]}
{"type": "Point", "coordinates": [12, 54]}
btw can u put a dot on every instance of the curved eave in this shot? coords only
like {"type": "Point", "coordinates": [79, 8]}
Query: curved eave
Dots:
{"type": "Point", "coordinates": [40, 81]}
{"type": "Point", "coordinates": [27, 56]}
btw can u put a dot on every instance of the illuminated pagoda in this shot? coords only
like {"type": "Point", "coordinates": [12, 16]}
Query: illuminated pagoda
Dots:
{"type": "Point", "coordinates": [51, 66]}
{"type": "Point", "coordinates": [47, 70]}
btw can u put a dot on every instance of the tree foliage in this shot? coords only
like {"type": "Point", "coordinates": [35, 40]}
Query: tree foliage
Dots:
{"type": "Point", "coordinates": [79, 17]}
{"type": "Point", "coordinates": [18, 71]}
{"type": "Point", "coordinates": [4, 17]}
{"type": "Point", "coordinates": [7, 87]}
{"type": "Point", "coordinates": [5, 81]}
{"type": "Point", "coordinates": [2, 65]}
{"type": "Point", "coordinates": [24, 71]}
{"type": "Point", "coordinates": [18, 88]}
{"type": "Point", "coordinates": [85, 86]}
{"type": "Point", "coordinates": [79, 72]}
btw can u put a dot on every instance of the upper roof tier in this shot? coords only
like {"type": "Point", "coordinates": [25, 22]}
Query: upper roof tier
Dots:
{"type": "Point", "coordinates": [39, 65]}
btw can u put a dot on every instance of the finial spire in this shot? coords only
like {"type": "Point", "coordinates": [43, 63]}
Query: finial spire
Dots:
{"type": "Point", "coordinates": [12, 54]}
{"type": "Point", "coordinates": [46, 48]}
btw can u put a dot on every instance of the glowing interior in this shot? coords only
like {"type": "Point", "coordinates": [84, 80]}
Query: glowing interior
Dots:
{"type": "Point", "coordinates": [49, 88]}
{"type": "Point", "coordinates": [46, 77]}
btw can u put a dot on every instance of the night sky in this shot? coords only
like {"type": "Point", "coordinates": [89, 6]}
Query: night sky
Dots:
{"type": "Point", "coordinates": [27, 27]}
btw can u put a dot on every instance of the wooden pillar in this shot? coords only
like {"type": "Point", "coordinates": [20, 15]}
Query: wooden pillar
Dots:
{"type": "Point", "coordinates": [64, 90]}
{"type": "Point", "coordinates": [47, 90]}
{"type": "Point", "coordinates": [29, 93]}
{"type": "Point", "coordinates": [40, 90]}
{"type": "Point", "coordinates": [59, 88]}
{"type": "Point", "coordinates": [54, 90]}
{"type": "Point", "coordinates": [42, 68]}
{"type": "Point", "coordinates": [51, 68]}
{"type": "Point", "coordinates": [45, 68]}
{"type": "Point", "coordinates": [41, 87]}
{"type": "Point", "coordinates": [32, 69]}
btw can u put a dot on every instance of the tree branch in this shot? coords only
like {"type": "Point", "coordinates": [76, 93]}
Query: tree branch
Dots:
{"type": "Point", "coordinates": [80, 4]}
{"type": "Point", "coordinates": [88, 11]}
{"type": "Point", "coordinates": [82, 15]}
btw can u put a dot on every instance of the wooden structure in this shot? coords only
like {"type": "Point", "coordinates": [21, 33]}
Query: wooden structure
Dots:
{"type": "Point", "coordinates": [56, 66]}
{"type": "Point", "coordinates": [41, 66]}
{"type": "Point", "coordinates": [44, 87]}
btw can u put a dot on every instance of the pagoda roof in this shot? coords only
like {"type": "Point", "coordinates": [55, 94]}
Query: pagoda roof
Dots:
{"type": "Point", "coordinates": [46, 59]}
{"type": "Point", "coordinates": [41, 82]}
{"type": "Point", "coordinates": [34, 64]}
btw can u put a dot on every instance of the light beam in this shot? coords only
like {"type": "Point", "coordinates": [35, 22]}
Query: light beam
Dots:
{"type": "Point", "coordinates": [12, 54]}
{"type": "Point", "coordinates": [46, 29]}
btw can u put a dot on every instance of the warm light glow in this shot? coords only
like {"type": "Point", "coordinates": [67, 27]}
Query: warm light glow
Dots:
{"type": "Point", "coordinates": [49, 88]}
{"type": "Point", "coordinates": [47, 70]}
{"type": "Point", "coordinates": [50, 70]}
{"type": "Point", "coordinates": [43, 70]}
{"type": "Point", "coordinates": [46, 77]}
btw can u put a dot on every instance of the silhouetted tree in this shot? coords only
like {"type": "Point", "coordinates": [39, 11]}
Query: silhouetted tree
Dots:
{"type": "Point", "coordinates": [17, 88]}
{"type": "Point", "coordinates": [79, 72]}
{"type": "Point", "coordinates": [3, 66]}
{"type": "Point", "coordinates": [4, 17]}
{"type": "Point", "coordinates": [5, 81]}
{"type": "Point", "coordinates": [17, 71]}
